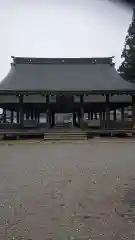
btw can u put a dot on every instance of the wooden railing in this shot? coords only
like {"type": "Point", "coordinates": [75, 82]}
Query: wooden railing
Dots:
{"type": "Point", "coordinates": [96, 124]}
{"type": "Point", "coordinates": [10, 126]}
{"type": "Point", "coordinates": [13, 126]}
{"type": "Point", "coordinates": [120, 124]}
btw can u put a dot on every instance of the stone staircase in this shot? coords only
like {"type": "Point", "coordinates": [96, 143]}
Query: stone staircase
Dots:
{"type": "Point", "coordinates": [60, 133]}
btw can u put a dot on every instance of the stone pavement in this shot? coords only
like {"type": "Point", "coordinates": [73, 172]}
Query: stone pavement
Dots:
{"type": "Point", "coordinates": [67, 191]}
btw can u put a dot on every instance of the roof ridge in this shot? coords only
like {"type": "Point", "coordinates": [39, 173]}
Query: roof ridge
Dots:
{"type": "Point", "coordinates": [96, 60]}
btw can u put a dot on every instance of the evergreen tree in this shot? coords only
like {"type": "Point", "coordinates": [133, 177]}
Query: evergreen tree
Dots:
{"type": "Point", "coordinates": [127, 68]}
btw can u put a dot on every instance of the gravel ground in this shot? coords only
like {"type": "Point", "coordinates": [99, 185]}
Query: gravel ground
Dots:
{"type": "Point", "coordinates": [67, 191]}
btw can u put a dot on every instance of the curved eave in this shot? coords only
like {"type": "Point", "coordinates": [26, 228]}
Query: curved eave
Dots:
{"type": "Point", "coordinates": [24, 75]}
{"type": "Point", "coordinates": [44, 92]}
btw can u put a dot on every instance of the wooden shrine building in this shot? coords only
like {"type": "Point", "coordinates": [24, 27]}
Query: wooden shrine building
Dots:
{"type": "Point", "coordinates": [37, 86]}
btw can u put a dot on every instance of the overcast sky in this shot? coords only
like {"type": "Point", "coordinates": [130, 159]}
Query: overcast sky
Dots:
{"type": "Point", "coordinates": [60, 28]}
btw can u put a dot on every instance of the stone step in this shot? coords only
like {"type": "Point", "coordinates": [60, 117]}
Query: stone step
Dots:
{"type": "Point", "coordinates": [65, 136]}
{"type": "Point", "coordinates": [63, 133]}
{"type": "Point", "coordinates": [58, 138]}
{"type": "Point", "coordinates": [65, 130]}
{"type": "Point", "coordinates": [60, 133]}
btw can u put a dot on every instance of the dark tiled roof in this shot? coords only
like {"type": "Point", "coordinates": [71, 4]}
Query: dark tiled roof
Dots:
{"type": "Point", "coordinates": [91, 74]}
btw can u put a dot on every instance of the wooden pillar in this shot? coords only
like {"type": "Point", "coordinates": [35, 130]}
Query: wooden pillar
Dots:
{"type": "Point", "coordinates": [114, 115]}
{"type": "Point", "coordinates": [50, 117]}
{"type": "Point", "coordinates": [18, 116]}
{"type": "Point", "coordinates": [92, 115]}
{"type": "Point", "coordinates": [79, 117]}
{"type": "Point", "coordinates": [107, 111]}
{"type": "Point", "coordinates": [35, 116]}
{"type": "Point", "coordinates": [103, 118]}
{"type": "Point", "coordinates": [38, 117]}
{"type": "Point", "coordinates": [53, 118]}
{"type": "Point", "coordinates": [27, 114]}
{"type": "Point", "coordinates": [133, 110]}
{"type": "Point", "coordinates": [74, 118]}
{"type": "Point", "coordinates": [82, 106]}
{"type": "Point", "coordinates": [100, 116]}
{"type": "Point", "coordinates": [103, 115]}
{"type": "Point", "coordinates": [48, 112]}
{"type": "Point", "coordinates": [12, 116]}
{"type": "Point", "coordinates": [21, 110]}
{"type": "Point", "coordinates": [4, 116]}
{"type": "Point", "coordinates": [31, 114]}
{"type": "Point", "coordinates": [122, 113]}
{"type": "Point", "coordinates": [95, 115]}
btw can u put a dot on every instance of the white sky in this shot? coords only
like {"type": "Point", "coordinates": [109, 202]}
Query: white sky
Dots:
{"type": "Point", "coordinates": [60, 28]}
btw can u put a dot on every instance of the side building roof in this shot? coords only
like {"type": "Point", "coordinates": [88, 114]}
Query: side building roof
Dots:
{"type": "Point", "coordinates": [64, 74]}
